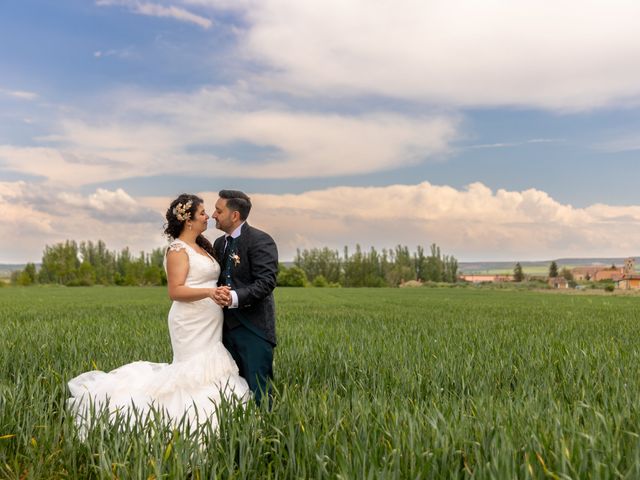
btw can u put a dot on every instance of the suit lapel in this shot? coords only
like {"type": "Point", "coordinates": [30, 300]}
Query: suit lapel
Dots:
{"type": "Point", "coordinates": [220, 247]}
{"type": "Point", "coordinates": [244, 233]}
{"type": "Point", "coordinates": [241, 247]}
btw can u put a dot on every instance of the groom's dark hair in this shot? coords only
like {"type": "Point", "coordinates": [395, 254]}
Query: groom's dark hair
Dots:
{"type": "Point", "coordinates": [237, 201]}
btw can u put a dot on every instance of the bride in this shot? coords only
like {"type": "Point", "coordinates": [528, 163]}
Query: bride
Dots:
{"type": "Point", "coordinates": [202, 372]}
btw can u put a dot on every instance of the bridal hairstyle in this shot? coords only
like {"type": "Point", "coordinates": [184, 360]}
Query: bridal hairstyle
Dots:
{"type": "Point", "coordinates": [237, 201]}
{"type": "Point", "coordinates": [174, 226]}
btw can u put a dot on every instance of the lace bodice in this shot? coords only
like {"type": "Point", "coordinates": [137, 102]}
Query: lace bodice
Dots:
{"type": "Point", "coordinates": [203, 269]}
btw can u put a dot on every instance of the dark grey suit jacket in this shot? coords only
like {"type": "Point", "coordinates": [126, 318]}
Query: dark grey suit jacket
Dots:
{"type": "Point", "coordinates": [253, 279]}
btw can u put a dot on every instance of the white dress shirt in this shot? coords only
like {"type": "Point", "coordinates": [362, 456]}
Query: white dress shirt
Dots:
{"type": "Point", "coordinates": [234, 234]}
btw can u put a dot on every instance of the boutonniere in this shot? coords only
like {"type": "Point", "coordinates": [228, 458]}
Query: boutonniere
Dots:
{"type": "Point", "coordinates": [236, 259]}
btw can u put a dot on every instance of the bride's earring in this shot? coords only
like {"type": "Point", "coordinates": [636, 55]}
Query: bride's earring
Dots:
{"type": "Point", "coordinates": [189, 226]}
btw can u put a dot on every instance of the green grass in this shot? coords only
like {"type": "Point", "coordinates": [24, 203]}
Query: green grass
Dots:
{"type": "Point", "coordinates": [371, 383]}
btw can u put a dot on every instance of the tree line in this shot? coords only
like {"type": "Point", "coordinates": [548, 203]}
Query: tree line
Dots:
{"type": "Point", "coordinates": [87, 263]}
{"type": "Point", "coordinates": [324, 267]}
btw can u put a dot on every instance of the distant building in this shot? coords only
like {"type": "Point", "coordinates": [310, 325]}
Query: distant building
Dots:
{"type": "Point", "coordinates": [630, 280]}
{"type": "Point", "coordinates": [581, 274]}
{"type": "Point", "coordinates": [558, 282]}
{"type": "Point", "coordinates": [485, 278]}
{"type": "Point", "coordinates": [614, 274]}
{"type": "Point", "coordinates": [597, 273]}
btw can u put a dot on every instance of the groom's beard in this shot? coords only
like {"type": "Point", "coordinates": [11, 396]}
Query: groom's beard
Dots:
{"type": "Point", "coordinates": [222, 227]}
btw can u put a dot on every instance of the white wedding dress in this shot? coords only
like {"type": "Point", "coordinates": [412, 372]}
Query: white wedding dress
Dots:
{"type": "Point", "coordinates": [201, 374]}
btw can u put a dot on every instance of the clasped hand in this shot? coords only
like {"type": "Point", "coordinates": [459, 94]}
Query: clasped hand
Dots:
{"type": "Point", "coordinates": [222, 296]}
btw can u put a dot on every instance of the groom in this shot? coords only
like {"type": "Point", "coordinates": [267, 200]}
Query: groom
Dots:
{"type": "Point", "coordinates": [249, 261]}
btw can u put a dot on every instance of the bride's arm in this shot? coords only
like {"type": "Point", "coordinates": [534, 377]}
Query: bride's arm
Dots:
{"type": "Point", "coordinates": [177, 270]}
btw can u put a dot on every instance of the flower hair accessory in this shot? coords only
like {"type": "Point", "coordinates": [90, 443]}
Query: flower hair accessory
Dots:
{"type": "Point", "coordinates": [182, 212]}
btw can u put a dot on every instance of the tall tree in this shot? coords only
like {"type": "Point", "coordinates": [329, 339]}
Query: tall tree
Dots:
{"type": "Point", "coordinates": [25, 277]}
{"type": "Point", "coordinates": [86, 273]}
{"type": "Point", "coordinates": [553, 270]}
{"type": "Point", "coordinates": [566, 273]}
{"type": "Point", "coordinates": [60, 263]}
{"type": "Point", "coordinates": [518, 274]}
{"type": "Point", "coordinates": [420, 261]}
{"type": "Point", "coordinates": [319, 262]}
{"type": "Point", "coordinates": [402, 267]}
{"type": "Point", "coordinates": [435, 268]}
{"type": "Point", "coordinates": [450, 269]}
{"type": "Point", "coordinates": [291, 277]}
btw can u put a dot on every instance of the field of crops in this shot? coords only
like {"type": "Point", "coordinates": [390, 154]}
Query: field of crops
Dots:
{"type": "Point", "coordinates": [371, 383]}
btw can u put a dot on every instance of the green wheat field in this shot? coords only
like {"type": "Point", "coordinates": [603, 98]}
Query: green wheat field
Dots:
{"type": "Point", "coordinates": [370, 383]}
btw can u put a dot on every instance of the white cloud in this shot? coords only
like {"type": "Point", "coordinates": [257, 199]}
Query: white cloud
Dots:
{"type": "Point", "coordinates": [573, 54]}
{"type": "Point", "coordinates": [179, 134]}
{"type": "Point", "coordinates": [63, 166]}
{"type": "Point", "coordinates": [568, 55]}
{"type": "Point", "coordinates": [18, 215]}
{"type": "Point", "coordinates": [105, 200]}
{"type": "Point", "coordinates": [513, 144]}
{"type": "Point", "coordinates": [120, 53]}
{"type": "Point", "coordinates": [157, 10]}
{"type": "Point", "coordinates": [330, 145]}
{"type": "Point", "coordinates": [474, 223]}
{"type": "Point", "coordinates": [34, 216]}
{"type": "Point", "coordinates": [109, 206]}
{"type": "Point", "coordinates": [173, 12]}
{"type": "Point", "coordinates": [19, 94]}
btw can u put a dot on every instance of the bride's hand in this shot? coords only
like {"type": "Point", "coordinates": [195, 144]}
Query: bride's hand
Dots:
{"type": "Point", "coordinates": [221, 295]}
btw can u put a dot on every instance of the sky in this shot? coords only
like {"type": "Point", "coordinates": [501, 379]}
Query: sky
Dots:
{"type": "Point", "coordinates": [498, 130]}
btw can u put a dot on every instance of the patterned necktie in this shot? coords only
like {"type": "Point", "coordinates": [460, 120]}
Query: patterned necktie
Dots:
{"type": "Point", "coordinates": [227, 260]}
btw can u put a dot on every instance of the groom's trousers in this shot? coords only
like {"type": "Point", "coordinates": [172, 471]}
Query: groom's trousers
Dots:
{"type": "Point", "coordinates": [254, 357]}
